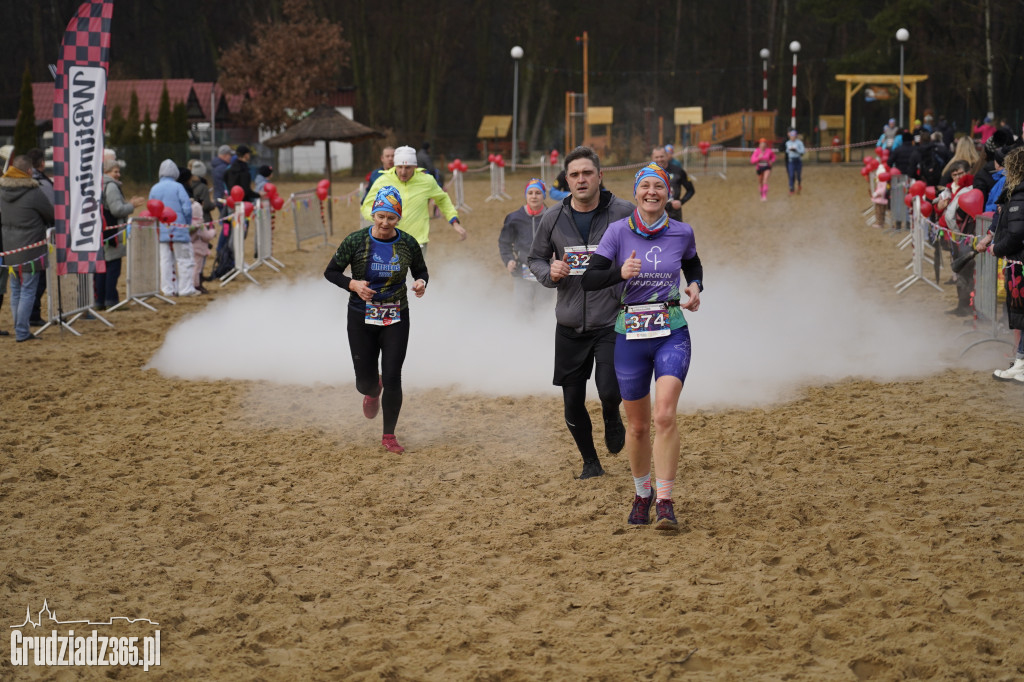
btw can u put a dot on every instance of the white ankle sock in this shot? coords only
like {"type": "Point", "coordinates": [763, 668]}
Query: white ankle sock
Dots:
{"type": "Point", "coordinates": [643, 485]}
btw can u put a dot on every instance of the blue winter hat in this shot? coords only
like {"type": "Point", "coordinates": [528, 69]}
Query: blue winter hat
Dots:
{"type": "Point", "coordinates": [388, 199]}
{"type": "Point", "coordinates": [539, 184]}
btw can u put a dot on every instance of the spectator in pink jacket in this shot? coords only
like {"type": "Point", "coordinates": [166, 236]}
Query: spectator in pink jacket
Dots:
{"type": "Point", "coordinates": [762, 159]}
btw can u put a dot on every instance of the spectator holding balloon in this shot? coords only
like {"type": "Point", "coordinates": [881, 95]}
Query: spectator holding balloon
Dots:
{"type": "Point", "coordinates": [171, 205]}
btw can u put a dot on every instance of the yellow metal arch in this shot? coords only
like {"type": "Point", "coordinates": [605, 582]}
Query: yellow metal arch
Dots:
{"type": "Point", "coordinates": [855, 83]}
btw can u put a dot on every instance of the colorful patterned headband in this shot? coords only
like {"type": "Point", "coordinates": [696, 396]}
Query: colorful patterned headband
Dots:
{"type": "Point", "coordinates": [387, 199]}
{"type": "Point", "coordinates": [650, 170]}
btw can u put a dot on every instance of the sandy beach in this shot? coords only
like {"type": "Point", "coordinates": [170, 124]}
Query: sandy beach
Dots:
{"type": "Point", "coordinates": [848, 489]}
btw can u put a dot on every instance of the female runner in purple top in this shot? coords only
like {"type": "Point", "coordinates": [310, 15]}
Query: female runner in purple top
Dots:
{"type": "Point", "coordinates": [647, 251]}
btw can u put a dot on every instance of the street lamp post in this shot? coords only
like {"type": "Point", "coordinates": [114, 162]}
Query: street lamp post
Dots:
{"type": "Point", "coordinates": [794, 47]}
{"type": "Point", "coordinates": [517, 54]}
{"type": "Point", "coordinates": [902, 35]}
{"type": "Point", "coordinates": [764, 78]}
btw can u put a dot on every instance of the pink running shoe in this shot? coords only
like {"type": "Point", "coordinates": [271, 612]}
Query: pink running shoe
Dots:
{"type": "Point", "coordinates": [390, 444]}
{"type": "Point", "coordinates": [371, 404]}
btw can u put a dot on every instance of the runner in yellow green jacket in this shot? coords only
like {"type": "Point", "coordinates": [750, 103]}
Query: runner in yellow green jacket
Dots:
{"type": "Point", "coordinates": [416, 188]}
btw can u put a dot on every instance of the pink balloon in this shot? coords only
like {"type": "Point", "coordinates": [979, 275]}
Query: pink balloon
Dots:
{"type": "Point", "coordinates": [972, 202]}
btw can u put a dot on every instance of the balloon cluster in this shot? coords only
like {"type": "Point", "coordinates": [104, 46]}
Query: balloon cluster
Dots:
{"type": "Point", "coordinates": [276, 202]}
{"type": "Point", "coordinates": [323, 188]}
{"type": "Point", "coordinates": [458, 165]}
{"type": "Point", "coordinates": [705, 147]}
{"type": "Point", "coordinates": [553, 158]}
{"type": "Point", "coordinates": [496, 158]}
{"type": "Point", "coordinates": [236, 196]}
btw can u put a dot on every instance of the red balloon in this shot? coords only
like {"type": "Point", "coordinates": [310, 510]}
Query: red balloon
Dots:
{"type": "Point", "coordinates": [929, 192]}
{"type": "Point", "coordinates": [866, 160]}
{"type": "Point", "coordinates": [321, 192]}
{"type": "Point", "coordinates": [865, 171]}
{"type": "Point", "coordinates": [884, 153]}
{"type": "Point", "coordinates": [972, 202]}
{"type": "Point", "coordinates": [324, 183]}
{"type": "Point", "coordinates": [463, 167]}
{"type": "Point", "coordinates": [247, 206]}
{"type": "Point", "coordinates": [884, 176]}
{"type": "Point", "coordinates": [229, 202]}
{"type": "Point", "coordinates": [155, 207]}
{"type": "Point", "coordinates": [276, 202]}
{"type": "Point", "coordinates": [917, 188]}
{"type": "Point", "coordinates": [145, 214]}
{"type": "Point", "coordinates": [451, 167]}
{"type": "Point", "coordinates": [491, 158]}
{"type": "Point", "coordinates": [909, 200]}
{"type": "Point", "coordinates": [237, 193]}
{"type": "Point", "coordinates": [168, 216]}
{"type": "Point", "coordinates": [271, 189]}
{"type": "Point", "coordinates": [500, 161]}
{"type": "Point", "coordinates": [895, 171]}
{"type": "Point", "coordinates": [926, 208]}
{"type": "Point", "coordinates": [872, 163]}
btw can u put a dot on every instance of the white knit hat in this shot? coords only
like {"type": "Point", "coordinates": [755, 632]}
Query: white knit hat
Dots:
{"type": "Point", "coordinates": [405, 156]}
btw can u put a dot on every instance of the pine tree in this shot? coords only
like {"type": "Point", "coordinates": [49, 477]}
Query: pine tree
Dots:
{"type": "Point", "coordinates": [26, 135]}
{"type": "Point", "coordinates": [164, 123]}
{"type": "Point", "coordinates": [132, 123]}
{"type": "Point", "coordinates": [116, 127]}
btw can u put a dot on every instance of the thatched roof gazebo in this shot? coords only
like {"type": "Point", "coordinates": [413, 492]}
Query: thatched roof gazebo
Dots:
{"type": "Point", "coordinates": [325, 124]}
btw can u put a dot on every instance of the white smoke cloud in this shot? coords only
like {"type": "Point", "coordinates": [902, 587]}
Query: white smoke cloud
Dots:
{"type": "Point", "coordinates": [759, 335]}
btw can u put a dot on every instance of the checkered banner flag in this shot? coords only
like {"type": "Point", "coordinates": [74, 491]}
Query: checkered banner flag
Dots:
{"type": "Point", "coordinates": [78, 107]}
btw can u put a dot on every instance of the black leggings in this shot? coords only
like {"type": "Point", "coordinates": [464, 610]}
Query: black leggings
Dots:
{"type": "Point", "coordinates": [368, 343]}
{"type": "Point", "coordinates": [577, 418]}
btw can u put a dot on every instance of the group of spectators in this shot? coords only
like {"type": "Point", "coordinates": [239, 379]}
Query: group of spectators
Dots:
{"type": "Point", "coordinates": [27, 210]}
{"type": "Point", "coordinates": [989, 160]}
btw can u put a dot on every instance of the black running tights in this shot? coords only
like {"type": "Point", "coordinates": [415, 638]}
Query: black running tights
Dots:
{"type": "Point", "coordinates": [577, 418]}
{"type": "Point", "coordinates": [369, 343]}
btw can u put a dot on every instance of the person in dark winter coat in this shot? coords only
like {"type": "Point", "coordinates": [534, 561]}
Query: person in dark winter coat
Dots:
{"type": "Point", "coordinates": [516, 239]}
{"type": "Point", "coordinates": [1007, 239]}
{"type": "Point", "coordinates": [26, 213]}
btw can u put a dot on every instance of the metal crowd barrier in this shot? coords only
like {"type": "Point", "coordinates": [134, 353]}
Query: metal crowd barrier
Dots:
{"type": "Point", "coordinates": [897, 195]}
{"type": "Point", "coordinates": [238, 247]}
{"type": "Point", "coordinates": [917, 235]}
{"type": "Point", "coordinates": [308, 217]}
{"type": "Point", "coordinates": [262, 221]}
{"type": "Point", "coordinates": [142, 264]}
{"type": "Point", "coordinates": [986, 290]}
{"type": "Point", "coordinates": [69, 297]}
{"type": "Point", "coordinates": [696, 162]}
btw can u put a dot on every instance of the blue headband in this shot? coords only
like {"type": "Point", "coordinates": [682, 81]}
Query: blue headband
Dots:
{"type": "Point", "coordinates": [388, 199]}
{"type": "Point", "coordinates": [651, 170]}
{"type": "Point", "coordinates": [539, 184]}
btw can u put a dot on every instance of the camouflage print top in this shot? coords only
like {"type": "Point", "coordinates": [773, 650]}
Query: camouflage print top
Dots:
{"type": "Point", "coordinates": [385, 265]}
